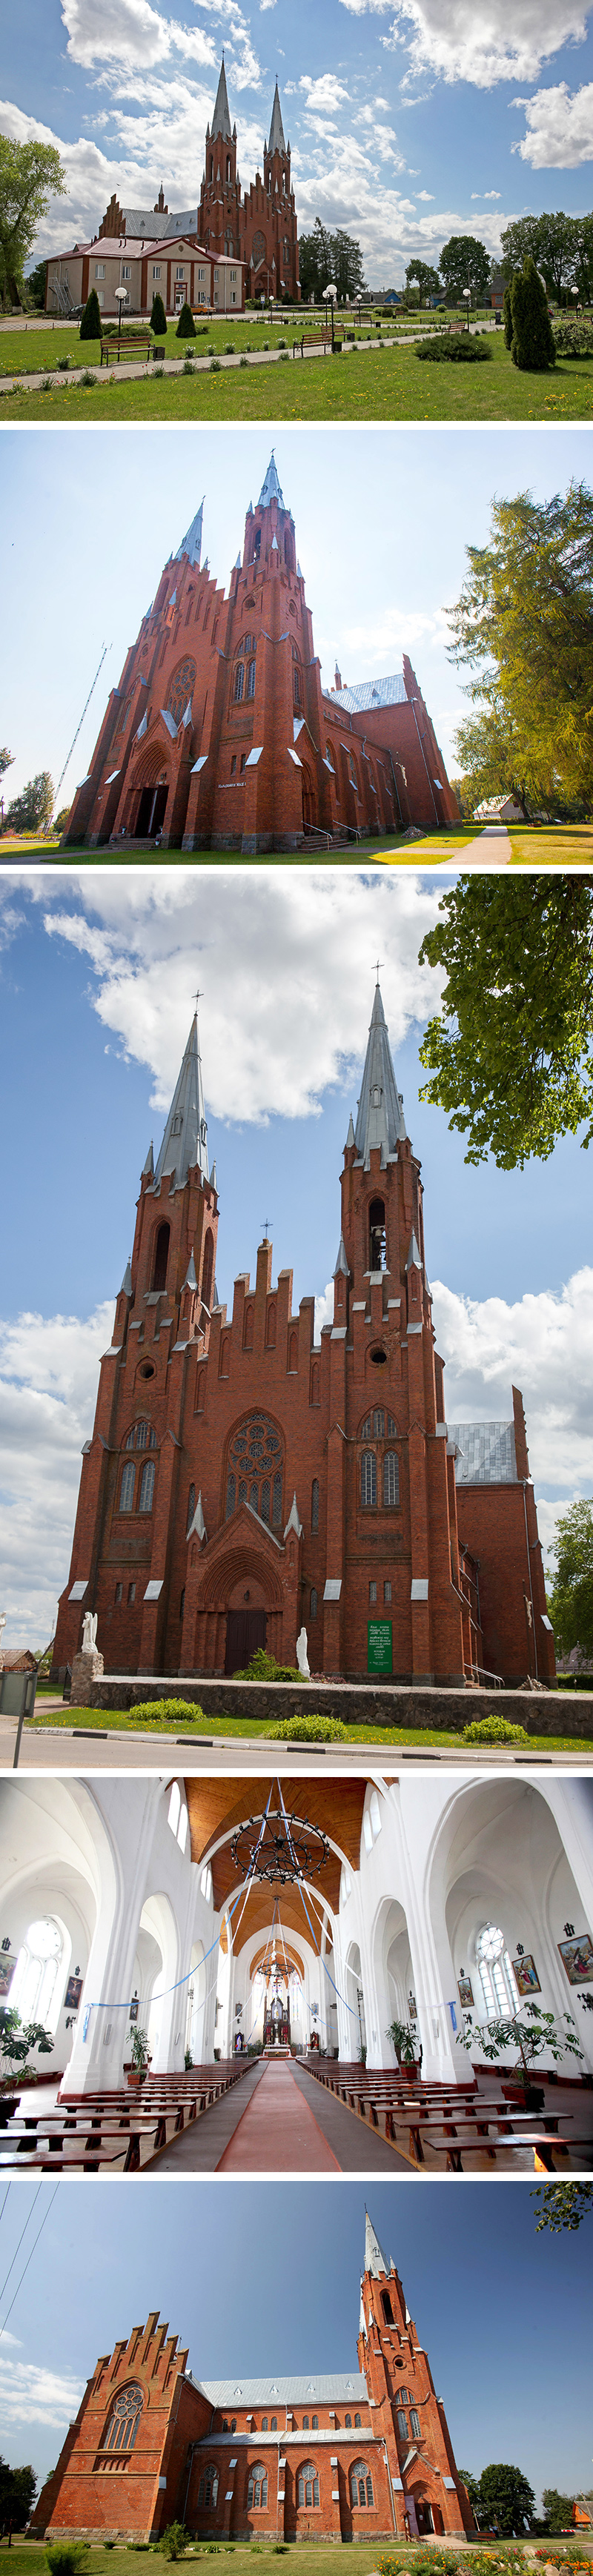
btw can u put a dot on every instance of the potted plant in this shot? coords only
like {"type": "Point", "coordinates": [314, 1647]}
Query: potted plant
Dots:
{"type": "Point", "coordinates": [402, 2042]}
{"type": "Point", "coordinates": [16, 2040]}
{"type": "Point", "coordinates": [137, 2069]}
{"type": "Point", "coordinates": [530, 2035]}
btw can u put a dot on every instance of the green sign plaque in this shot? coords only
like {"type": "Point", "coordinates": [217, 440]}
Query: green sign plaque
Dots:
{"type": "Point", "coordinates": [379, 1657]}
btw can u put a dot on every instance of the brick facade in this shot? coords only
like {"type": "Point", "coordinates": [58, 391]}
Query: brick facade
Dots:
{"type": "Point", "coordinates": [220, 734]}
{"type": "Point", "coordinates": [231, 2461]}
{"type": "Point", "coordinates": [243, 1479]}
{"type": "Point", "coordinates": [259, 228]}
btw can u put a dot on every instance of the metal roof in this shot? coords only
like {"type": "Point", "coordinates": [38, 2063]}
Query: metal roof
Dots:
{"type": "Point", "coordinates": [270, 490]}
{"type": "Point", "coordinates": [185, 1139]}
{"type": "Point", "coordinates": [486, 1453]}
{"type": "Point", "coordinates": [285, 2392]}
{"type": "Point", "coordinates": [276, 142]}
{"type": "Point", "coordinates": [369, 694]}
{"type": "Point", "coordinates": [221, 121]}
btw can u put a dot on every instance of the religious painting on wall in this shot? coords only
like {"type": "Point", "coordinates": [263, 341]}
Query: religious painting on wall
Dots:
{"type": "Point", "coordinates": [7, 1969]}
{"type": "Point", "coordinates": [525, 1974]}
{"type": "Point", "coordinates": [73, 1994]}
{"type": "Point", "coordinates": [134, 2009]}
{"type": "Point", "coordinates": [465, 1992]}
{"type": "Point", "coordinates": [577, 1958]}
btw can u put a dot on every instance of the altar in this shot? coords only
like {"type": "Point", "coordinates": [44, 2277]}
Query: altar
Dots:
{"type": "Point", "coordinates": [277, 2027]}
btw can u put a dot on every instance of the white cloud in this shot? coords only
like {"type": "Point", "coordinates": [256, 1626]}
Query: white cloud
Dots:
{"type": "Point", "coordinates": [543, 1344]}
{"type": "Point", "coordinates": [31, 2395]}
{"type": "Point", "coordinates": [323, 95]}
{"type": "Point", "coordinates": [424, 197]}
{"type": "Point", "coordinates": [48, 1381]}
{"type": "Point", "coordinates": [381, 642]}
{"type": "Point", "coordinates": [482, 41]}
{"type": "Point", "coordinates": [324, 1309]}
{"type": "Point", "coordinates": [128, 32]}
{"type": "Point", "coordinates": [480, 196]}
{"type": "Point", "coordinates": [559, 127]}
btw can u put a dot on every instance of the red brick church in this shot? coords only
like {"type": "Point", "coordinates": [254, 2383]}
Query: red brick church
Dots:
{"type": "Point", "coordinates": [338, 2456]}
{"type": "Point", "coordinates": [258, 228]}
{"type": "Point", "coordinates": [244, 1480]}
{"type": "Point", "coordinates": [221, 735]}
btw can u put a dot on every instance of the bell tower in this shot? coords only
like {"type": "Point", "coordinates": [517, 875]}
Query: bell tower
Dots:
{"type": "Point", "coordinates": [220, 194]}
{"type": "Point", "coordinates": [428, 2494]}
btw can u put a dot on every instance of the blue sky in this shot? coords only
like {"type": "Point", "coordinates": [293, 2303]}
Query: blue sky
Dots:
{"type": "Point", "coordinates": [97, 970]}
{"type": "Point", "coordinates": [408, 119]}
{"type": "Point", "coordinates": [383, 518]}
{"type": "Point", "coordinates": [264, 2278]}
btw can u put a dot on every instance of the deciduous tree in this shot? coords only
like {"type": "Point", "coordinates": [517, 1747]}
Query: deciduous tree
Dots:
{"type": "Point", "coordinates": [30, 175]}
{"type": "Point", "coordinates": [564, 2204]}
{"type": "Point", "coordinates": [510, 1056]}
{"type": "Point", "coordinates": [571, 1600]}
{"type": "Point", "coordinates": [32, 810]}
{"type": "Point", "coordinates": [506, 2497]}
{"type": "Point", "coordinates": [523, 625]}
{"type": "Point", "coordinates": [424, 278]}
{"type": "Point", "coordinates": [464, 262]}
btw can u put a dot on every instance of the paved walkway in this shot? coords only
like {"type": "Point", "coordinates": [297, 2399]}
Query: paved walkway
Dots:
{"type": "Point", "coordinates": [85, 1752]}
{"type": "Point", "coordinates": [174, 367]}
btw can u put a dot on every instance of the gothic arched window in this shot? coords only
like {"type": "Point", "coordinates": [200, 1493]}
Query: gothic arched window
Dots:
{"type": "Point", "coordinates": [126, 1491]}
{"type": "Point", "coordinates": [315, 1503]}
{"type": "Point", "coordinates": [208, 2487]}
{"type": "Point", "coordinates": [257, 2491]}
{"type": "Point", "coordinates": [146, 1487]}
{"type": "Point", "coordinates": [239, 683]}
{"type": "Point", "coordinates": [501, 1994]}
{"type": "Point", "coordinates": [255, 1459]}
{"type": "Point", "coordinates": [161, 1256]}
{"type": "Point", "coordinates": [368, 1480]}
{"type": "Point", "coordinates": [181, 689]}
{"type": "Point", "coordinates": [123, 2421]}
{"type": "Point", "coordinates": [390, 1480]}
{"type": "Point", "coordinates": [250, 691]}
{"type": "Point", "coordinates": [33, 1985]}
{"type": "Point", "coordinates": [308, 2483]}
{"type": "Point", "coordinates": [207, 1267]}
{"type": "Point", "coordinates": [361, 2484]}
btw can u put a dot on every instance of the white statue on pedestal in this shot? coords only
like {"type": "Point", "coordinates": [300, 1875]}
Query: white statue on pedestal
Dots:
{"type": "Point", "coordinates": [302, 1656]}
{"type": "Point", "coordinates": [89, 1633]}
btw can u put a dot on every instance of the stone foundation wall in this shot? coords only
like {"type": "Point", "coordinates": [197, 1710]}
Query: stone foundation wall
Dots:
{"type": "Point", "coordinates": [546, 1712]}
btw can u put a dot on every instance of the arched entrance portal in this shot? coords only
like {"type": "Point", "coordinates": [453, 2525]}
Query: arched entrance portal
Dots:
{"type": "Point", "coordinates": [246, 1629]}
{"type": "Point", "coordinates": [151, 810]}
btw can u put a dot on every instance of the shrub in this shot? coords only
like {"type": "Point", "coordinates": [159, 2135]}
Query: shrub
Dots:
{"type": "Point", "coordinates": [242, 362]}
{"type": "Point", "coordinates": [186, 330]}
{"type": "Point", "coordinates": [90, 328]}
{"type": "Point", "coordinates": [109, 2544]}
{"type": "Point", "coordinates": [229, 348]}
{"type": "Point", "coordinates": [158, 318]}
{"type": "Point", "coordinates": [493, 1730]}
{"type": "Point", "coordinates": [467, 350]}
{"type": "Point", "coordinates": [173, 2540]}
{"type": "Point", "coordinates": [264, 1668]}
{"type": "Point", "coordinates": [188, 367]}
{"type": "Point", "coordinates": [574, 339]}
{"type": "Point", "coordinates": [88, 378]}
{"type": "Point", "coordinates": [314, 1729]}
{"type": "Point", "coordinates": [66, 2557]}
{"type": "Point", "coordinates": [532, 343]}
{"type": "Point", "coordinates": [157, 371]}
{"type": "Point", "coordinates": [46, 384]}
{"type": "Point", "coordinates": [174, 1711]}
{"type": "Point", "coordinates": [215, 366]}
{"type": "Point", "coordinates": [63, 363]}
{"type": "Point", "coordinates": [283, 359]}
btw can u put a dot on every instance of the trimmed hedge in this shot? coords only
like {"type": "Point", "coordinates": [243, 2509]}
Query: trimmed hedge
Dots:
{"type": "Point", "coordinates": [309, 1730]}
{"type": "Point", "coordinates": [574, 339]}
{"type": "Point", "coordinates": [176, 1712]}
{"type": "Point", "coordinates": [493, 1730]}
{"type": "Point", "coordinates": [465, 350]}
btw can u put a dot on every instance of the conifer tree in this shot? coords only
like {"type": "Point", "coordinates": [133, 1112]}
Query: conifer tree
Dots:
{"type": "Point", "coordinates": [532, 343]}
{"type": "Point", "coordinates": [158, 319]}
{"type": "Point", "coordinates": [186, 329]}
{"type": "Point", "coordinates": [90, 328]}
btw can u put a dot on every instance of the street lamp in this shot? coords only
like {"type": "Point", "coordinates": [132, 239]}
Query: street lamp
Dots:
{"type": "Point", "coordinates": [467, 297]}
{"type": "Point", "coordinates": [121, 298]}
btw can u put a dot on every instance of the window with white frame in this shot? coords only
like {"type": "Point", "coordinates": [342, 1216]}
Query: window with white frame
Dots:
{"type": "Point", "coordinates": [156, 272]}
{"type": "Point", "coordinates": [99, 268]}
{"type": "Point", "coordinates": [35, 1984]}
{"type": "Point", "coordinates": [500, 1992]}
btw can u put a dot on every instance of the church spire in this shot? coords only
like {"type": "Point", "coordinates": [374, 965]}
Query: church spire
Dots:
{"type": "Point", "coordinates": [270, 490]}
{"type": "Point", "coordinates": [276, 142]}
{"type": "Point", "coordinates": [374, 2258]}
{"type": "Point", "coordinates": [191, 544]}
{"type": "Point", "coordinates": [380, 1120]}
{"type": "Point", "coordinates": [221, 121]}
{"type": "Point", "coordinates": [185, 1139]}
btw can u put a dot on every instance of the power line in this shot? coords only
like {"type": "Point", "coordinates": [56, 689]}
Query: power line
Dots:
{"type": "Point", "coordinates": [17, 2247]}
{"type": "Point", "coordinates": [28, 2261]}
{"type": "Point", "coordinates": [106, 649]}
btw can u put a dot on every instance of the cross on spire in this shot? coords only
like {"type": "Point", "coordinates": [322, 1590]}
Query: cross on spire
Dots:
{"type": "Point", "coordinates": [380, 962]}
{"type": "Point", "coordinates": [266, 1221]}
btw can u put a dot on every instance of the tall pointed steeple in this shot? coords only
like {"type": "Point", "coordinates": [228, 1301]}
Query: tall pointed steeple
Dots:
{"type": "Point", "coordinates": [185, 1141]}
{"type": "Point", "coordinates": [380, 1118]}
{"type": "Point", "coordinates": [221, 121]}
{"type": "Point", "coordinates": [270, 490]}
{"type": "Point", "coordinates": [276, 142]}
{"type": "Point", "coordinates": [374, 2258]}
{"type": "Point", "coordinates": [191, 545]}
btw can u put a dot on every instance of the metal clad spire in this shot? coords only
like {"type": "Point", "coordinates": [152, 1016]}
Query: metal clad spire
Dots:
{"type": "Point", "coordinates": [374, 2258]}
{"type": "Point", "coordinates": [221, 122]}
{"type": "Point", "coordinates": [270, 490]}
{"type": "Point", "coordinates": [185, 1140]}
{"type": "Point", "coordinates": [191, 545]}
{"type": "Point", "coordinates": [276, 142]}
{"type": "Point", "coordinates": [380, 1118]}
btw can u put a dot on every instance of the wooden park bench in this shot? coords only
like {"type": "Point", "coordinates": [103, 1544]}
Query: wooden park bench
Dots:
{"type": "Point", "coordinates": [128, 346]}
{"type": "Point", "coordinates": [311, 340]}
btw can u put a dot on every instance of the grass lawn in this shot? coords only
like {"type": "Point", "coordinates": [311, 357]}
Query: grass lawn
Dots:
{"type": "Point", "coordinates": [117, 1720]}
{"type": "Point", "coordinates": [370, 384]}
{"type": "Point", "coordinates": [314, 2558]}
